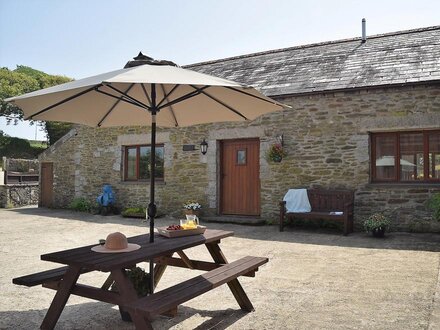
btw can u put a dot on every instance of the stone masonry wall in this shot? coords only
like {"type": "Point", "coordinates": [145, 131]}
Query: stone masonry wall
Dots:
{"type": "Point", "coordinates": [326, 137]}
{"type": "Point", "coordinates": [16, 195]}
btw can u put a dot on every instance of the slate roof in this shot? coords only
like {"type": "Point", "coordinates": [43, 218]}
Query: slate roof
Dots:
{"type": "Point", "coordinates": [403, 57]}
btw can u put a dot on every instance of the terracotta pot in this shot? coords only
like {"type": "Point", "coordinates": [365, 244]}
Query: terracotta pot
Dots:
{"type": "Point", "coordinates": [195, 212]}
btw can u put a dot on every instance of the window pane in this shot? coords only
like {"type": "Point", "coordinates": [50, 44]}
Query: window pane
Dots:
{"type": "Point", "coordinates": [159, 163]}
{"type": "Point", "coordinates": [411, 157]}
{"type": "Point", "coordinates": [434, 155]}
{"type": "Point", "coordinates": [241, 157]}
{"type": "Point", "coordinates": [131, 164]}
{"type": "Point", "coordinates": [144, 163]}
{"type": "Point", "coordinates": [385, 155]}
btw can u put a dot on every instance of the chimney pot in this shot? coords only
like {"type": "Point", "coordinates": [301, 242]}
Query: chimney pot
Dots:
{"type": "Point", "coordinates": [364, 30]}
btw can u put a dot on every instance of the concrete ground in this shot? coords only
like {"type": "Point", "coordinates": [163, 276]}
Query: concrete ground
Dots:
{"type": "Point", "coordinates": [314, 280]}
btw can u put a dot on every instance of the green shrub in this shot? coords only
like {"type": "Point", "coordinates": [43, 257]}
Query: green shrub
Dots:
{"type": "Point", "coordinates": [81, 204]}
{"type": "Point", "coordinates": [434, 206]}
{"type": "Point", "coordinates": [134, 212]}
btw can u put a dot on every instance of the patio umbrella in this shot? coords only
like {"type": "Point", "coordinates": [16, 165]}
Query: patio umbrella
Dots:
{"type": "Point", "coordinates": [147, 92]}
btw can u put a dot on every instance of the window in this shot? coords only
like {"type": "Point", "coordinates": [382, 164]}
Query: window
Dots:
{"type": "Point", "coordinates": [406, 157]}
{"type": "Point", "coordinates": [137, 163]}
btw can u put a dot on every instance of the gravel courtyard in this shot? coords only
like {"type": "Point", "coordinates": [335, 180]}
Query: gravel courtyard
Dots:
{"type": "Point", "coordinates": [314, 280]}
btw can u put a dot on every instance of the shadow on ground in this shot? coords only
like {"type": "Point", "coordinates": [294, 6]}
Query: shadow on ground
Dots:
{"type": "Point", "coordinates": [393, 240]}
{"type": "Point", "coordinates": [71, 318]}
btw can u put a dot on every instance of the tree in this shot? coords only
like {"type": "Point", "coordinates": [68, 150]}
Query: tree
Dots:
{"type": "Point", "coordinates": [24, 80]}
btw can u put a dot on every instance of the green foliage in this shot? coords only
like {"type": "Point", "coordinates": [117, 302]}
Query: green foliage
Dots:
{"type": "Point", "coordinates": [140, 279]}
{"type": "Point", "coordinates": [18, 148]}
{"type": "Point", "coordinates": [434, 206]}
{"type": "Point", "coordinates": [56, 130]}
{"type": "Point", "coordinates": [134, 212]}
{"type": "Point", "coordinates": [14, 83]}
{"type": "Point", "coordinates": [377, 220]}
{"type": "Point", "coordinates": [81, 204]}
{"type": "Point", "coordinates": [24, 80]}
{"type": "Point", "coordinates": [38, 144]}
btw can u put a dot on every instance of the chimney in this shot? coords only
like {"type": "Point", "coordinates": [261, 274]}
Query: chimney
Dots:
{"type": "Point", "coordinates": [364, 30]}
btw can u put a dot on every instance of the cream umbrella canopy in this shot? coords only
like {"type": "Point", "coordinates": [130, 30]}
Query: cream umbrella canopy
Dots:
{"type": "Point", "coordinates": [147, 93]}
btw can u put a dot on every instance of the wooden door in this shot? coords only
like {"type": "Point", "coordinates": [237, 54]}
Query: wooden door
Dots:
{"type": "Point", "coordinates": [46, 185]}
{"type": "Point", "coordinates": [240, 177]}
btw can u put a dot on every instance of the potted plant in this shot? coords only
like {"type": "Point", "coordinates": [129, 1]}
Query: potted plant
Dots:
{"type": "Point", "coordinates": [192, 207]}
{"type": "Point", "coordinates": [377, 224]}
{"type": "Point", "coordinates": [276, 153]}
{"type": "Point", "coordinates": [141, 283]}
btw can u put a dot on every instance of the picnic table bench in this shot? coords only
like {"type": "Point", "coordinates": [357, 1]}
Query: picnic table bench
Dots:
{"type": "Point", "coordinates": [334, 205]}
{"type": "Point", "coordinates": [168, 299]}
{"type": "Point", "coordinates": [143, 310]}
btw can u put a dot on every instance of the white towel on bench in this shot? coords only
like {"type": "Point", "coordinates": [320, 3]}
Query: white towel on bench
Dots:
{"type": "Point", "coordinates": [297, 201]}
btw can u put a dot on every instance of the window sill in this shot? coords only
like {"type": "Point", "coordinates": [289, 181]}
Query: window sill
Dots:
{"type": "Point", "coordinates": [143, 183]}
{"type": "Point", "coordinates": [403, 185]}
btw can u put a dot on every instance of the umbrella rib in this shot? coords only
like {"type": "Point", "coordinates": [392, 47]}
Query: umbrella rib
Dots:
{"type": "Point", "coordinates": [171, 107]}
{"type": "Point", "coordinates": [146, 93]}
{"type": "Point", "coordinates": [184, 97]}
{"type": "Point", "coordinates": [61, 102]}
{"type": "Point", "coordinates": [142, 105]}
{"type": "Point", "coordinates": [165, 98]}
{"type": "Point", "coordinates": [121, 98]}
{"type": "Point", "coordinates": [114, 106]}
{"type": "Point", "coordinates": [251, 95]}
{"type": "Point", "coordinates": [221, 103]}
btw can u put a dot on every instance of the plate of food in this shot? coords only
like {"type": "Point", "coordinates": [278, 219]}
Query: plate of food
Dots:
{"type": "Point", "coordinates": [179, 231]}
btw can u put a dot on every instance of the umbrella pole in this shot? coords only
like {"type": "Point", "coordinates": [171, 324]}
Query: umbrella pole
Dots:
{"type": "Point", "coordinates": [152, 206]}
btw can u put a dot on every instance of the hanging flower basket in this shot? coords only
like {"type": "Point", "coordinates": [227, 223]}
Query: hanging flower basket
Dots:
{"type": "Point", "coordinates": [276, 153]}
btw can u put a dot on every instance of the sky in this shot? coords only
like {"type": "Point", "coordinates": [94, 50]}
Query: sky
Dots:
{"type": "Point", "coordinates": [80, 38]}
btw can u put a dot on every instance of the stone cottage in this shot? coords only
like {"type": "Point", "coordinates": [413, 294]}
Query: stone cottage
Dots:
{"type": "Point", "coordinates": [365, 116]}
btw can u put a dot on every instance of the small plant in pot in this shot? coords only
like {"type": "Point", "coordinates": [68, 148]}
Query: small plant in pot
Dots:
{"type": "Point", "coordinates": [141, 283]}
{"type": "Point", "coordinates": [377, 224]}
{"type": "Point", "coordinates": [192, 207]}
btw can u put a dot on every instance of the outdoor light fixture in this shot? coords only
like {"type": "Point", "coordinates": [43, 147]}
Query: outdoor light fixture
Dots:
{"type": "Point", "coordinates": [280, 139]}
{"type": "Point", "coordinates": [204, 147]}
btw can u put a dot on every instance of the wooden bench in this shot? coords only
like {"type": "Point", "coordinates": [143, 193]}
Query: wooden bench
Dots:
{"type": "Point", "coordinates": [42, 277]}
{"type": "Point", "coordinates": [169, 298]}
{"type": "Point", "coordinates": [324, 204]}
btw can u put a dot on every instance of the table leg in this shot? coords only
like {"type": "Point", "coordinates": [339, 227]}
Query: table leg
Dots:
{"type": "Point", "coordinates": [59, 301]}
{"type": "Point", "coordinates": [234, 285]}
{"type": "Point", "coordinates": [108, 283]}
{"type": "Point", "coordinates": [128, 294]}
{"type": "Point", "coordinates": [159, 270]}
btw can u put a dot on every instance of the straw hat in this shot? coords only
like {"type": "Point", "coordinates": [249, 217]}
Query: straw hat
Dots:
{"type": "Point", "coordinates": [115, 243]}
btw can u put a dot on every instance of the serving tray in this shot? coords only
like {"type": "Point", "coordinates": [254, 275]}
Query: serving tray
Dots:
{"type": "Point", "coordinates": [180, 233]}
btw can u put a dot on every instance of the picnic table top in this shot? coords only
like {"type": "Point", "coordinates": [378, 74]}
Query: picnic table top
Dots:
{"type": "Point", "coordinates": [84, 257]}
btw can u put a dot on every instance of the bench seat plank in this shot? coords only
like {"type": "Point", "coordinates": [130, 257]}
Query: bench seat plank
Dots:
{"type": "Point", "coordinates": [42, 277]}
{"type": "Point", "coordinates": [317, 215]}
{"type": "Point", "coordinates": [171, 297]}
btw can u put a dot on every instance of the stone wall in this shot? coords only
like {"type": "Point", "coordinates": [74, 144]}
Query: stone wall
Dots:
{"type": "Point", "coordinates": [12, 195]}
{"type": "Point", "coordinates": [20, 165]}
{"type": "Point", "coordinates": [326, 137]}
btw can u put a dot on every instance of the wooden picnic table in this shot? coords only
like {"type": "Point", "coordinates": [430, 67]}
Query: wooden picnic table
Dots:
{"type": "Point", "coordinates": [142, 310]}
